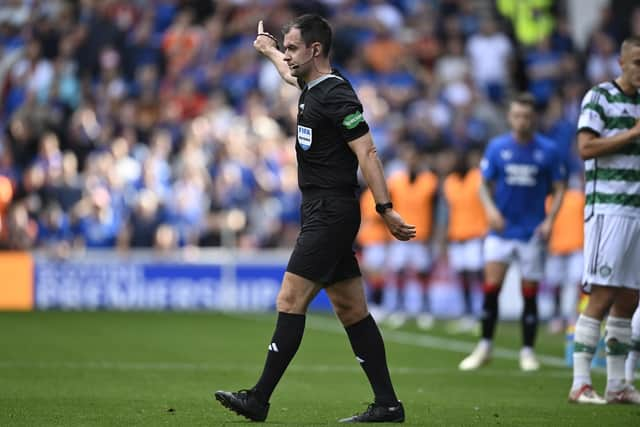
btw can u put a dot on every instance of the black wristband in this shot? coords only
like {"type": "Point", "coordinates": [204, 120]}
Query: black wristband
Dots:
{"type": "Point", "coordinates": [381, 208]}
{"type": "Point", "coordinates": [271, 37]}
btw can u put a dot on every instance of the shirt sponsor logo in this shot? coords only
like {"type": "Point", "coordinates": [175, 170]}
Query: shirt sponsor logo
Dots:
{"type": "Point", "coordinates": [305, 137]}
{"type": "Point", "coordinates": [522, 175]}
{"type": "Point", "coordinates": [353, 120]}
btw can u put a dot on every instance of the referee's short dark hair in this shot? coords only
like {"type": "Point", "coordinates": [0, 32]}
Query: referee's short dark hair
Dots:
{"type": "Point", "coordinates": [524, 98]}
{"type": "Point", "coordinates": [313, 28]}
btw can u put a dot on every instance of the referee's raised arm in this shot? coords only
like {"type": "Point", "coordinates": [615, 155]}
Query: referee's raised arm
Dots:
{"type": "Point", "coordinates": [267, 45]}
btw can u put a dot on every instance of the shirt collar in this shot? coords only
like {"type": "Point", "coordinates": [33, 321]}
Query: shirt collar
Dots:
{"type": "Point", "coordinates": [320, 79]}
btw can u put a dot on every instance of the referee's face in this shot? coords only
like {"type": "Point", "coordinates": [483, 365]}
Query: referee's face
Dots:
{"type": "Point", "coordinates": [297, 55]}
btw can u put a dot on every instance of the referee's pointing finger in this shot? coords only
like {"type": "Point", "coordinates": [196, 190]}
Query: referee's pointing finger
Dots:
{"type": "Point", "coordinates": [260, 27]}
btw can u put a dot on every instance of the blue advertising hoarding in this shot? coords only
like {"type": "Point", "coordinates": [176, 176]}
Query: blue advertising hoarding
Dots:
{"type": "Point", "coordinates": [120, 284]}
{"type": "Point", "coordinates": [214, 280]}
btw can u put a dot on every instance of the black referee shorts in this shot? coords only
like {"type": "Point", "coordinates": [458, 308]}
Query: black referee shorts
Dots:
{"type": "Point", "coordinates": [324, 249]}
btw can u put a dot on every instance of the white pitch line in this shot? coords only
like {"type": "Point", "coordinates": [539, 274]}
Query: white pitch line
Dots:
{"type": "Point", "coordinates": [426, 341]}
{"type": "Point", "coordinates": [322, 323]}
{"type": "Point", "coordinates": [318, 323]}
{"type": "Point", "coordinates": [434, 342]}
{"type": "Point", "coordinates": [438, 343]}
{"type": "Point", "coordinates": [199, 367]}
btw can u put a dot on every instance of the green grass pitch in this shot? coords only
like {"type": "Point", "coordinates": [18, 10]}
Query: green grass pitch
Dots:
{"type": "Point", "coordinates": [157, 369]}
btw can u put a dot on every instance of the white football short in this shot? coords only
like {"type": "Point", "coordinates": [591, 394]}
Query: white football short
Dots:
{"type": "Point", "coordinates": [374, 257]}
{"type": "Point", "coordinates": [611, 251]}
{"type": "Point", "coordinates": [528, 254]}
{"type": "Point", "coordinates": [564, 270]}
{"type": "Point", "coordinates": [414, 256]}
{"type": "Point", "coordinates": [466, 255]}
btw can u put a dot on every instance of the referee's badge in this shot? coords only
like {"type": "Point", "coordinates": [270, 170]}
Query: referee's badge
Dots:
{"type": "Point", "coordinates": [305, 137]}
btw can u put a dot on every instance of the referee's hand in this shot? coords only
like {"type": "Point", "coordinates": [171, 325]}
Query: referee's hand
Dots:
{"type": "Point", "coordinates": [397, 226]}
{"type": "Point", "coordinates": [264, 41]}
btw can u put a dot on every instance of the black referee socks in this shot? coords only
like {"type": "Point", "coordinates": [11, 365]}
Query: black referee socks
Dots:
{"type": "Point", "coordinates": [284, 345]}
{"type": "Point", "coordinates": [368, 347]}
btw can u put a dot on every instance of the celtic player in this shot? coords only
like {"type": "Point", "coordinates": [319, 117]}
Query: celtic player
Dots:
{"type": "Point", "coordinates": [609, 142]}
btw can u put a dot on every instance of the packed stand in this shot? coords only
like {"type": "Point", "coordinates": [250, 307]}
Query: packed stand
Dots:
{"type": "Point", "coordinates": [155, 124]}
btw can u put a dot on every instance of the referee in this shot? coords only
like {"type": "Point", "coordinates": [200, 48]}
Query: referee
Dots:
{"type": "Point", "coordinates": [332, 140]}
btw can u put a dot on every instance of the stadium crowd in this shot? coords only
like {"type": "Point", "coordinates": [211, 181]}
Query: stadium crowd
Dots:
{"type": "Point", "coordinates": [154, 123]}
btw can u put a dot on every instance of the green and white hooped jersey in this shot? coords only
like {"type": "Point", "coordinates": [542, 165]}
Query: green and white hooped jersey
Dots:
{"type": "Point", "coordinates": [612, 182]}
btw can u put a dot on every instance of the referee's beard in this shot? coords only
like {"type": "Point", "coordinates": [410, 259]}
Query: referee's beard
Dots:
{"type": "Point", "coordinates": [302, 72]}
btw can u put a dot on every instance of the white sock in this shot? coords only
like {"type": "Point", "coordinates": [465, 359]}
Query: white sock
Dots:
{"type": "Point", "coordinates": [617, 340]}
{"type": "Point", "coordinates": [634, 353]}
{"type": "Point", "coordinates": [631, 363]}
{"type": "Point", "coordinates": [526, 351]}
{"type": "Point", "coordinates": [586, 335]}
{"type": "Point", "coordinates": [485, 344]}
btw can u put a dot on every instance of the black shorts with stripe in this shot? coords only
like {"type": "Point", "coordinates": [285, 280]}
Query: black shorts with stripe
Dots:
{"type": "Point", "coordinates": [324, 249]}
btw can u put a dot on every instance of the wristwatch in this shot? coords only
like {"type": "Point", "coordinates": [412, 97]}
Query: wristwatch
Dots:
{"type": "Point", "coordinates": [381, 208]}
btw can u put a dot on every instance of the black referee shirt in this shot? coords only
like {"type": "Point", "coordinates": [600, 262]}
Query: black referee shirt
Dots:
{"type": "Point", "coordinates": [329, 116]}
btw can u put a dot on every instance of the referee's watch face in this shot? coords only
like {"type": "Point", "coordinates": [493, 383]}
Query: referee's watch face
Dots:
{"type": "Point", "coordinates": [299, 57]}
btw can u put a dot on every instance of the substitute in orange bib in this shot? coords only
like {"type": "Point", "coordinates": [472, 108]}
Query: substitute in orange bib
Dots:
{"type": "Point", "coordinates": [373, 238]}
{"type": "Point", "coordinates": [467, 226]}
{"type": "Point", "coordinates": [413, 193]}
{"type": "Point", "coordinates": [565, 262]}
